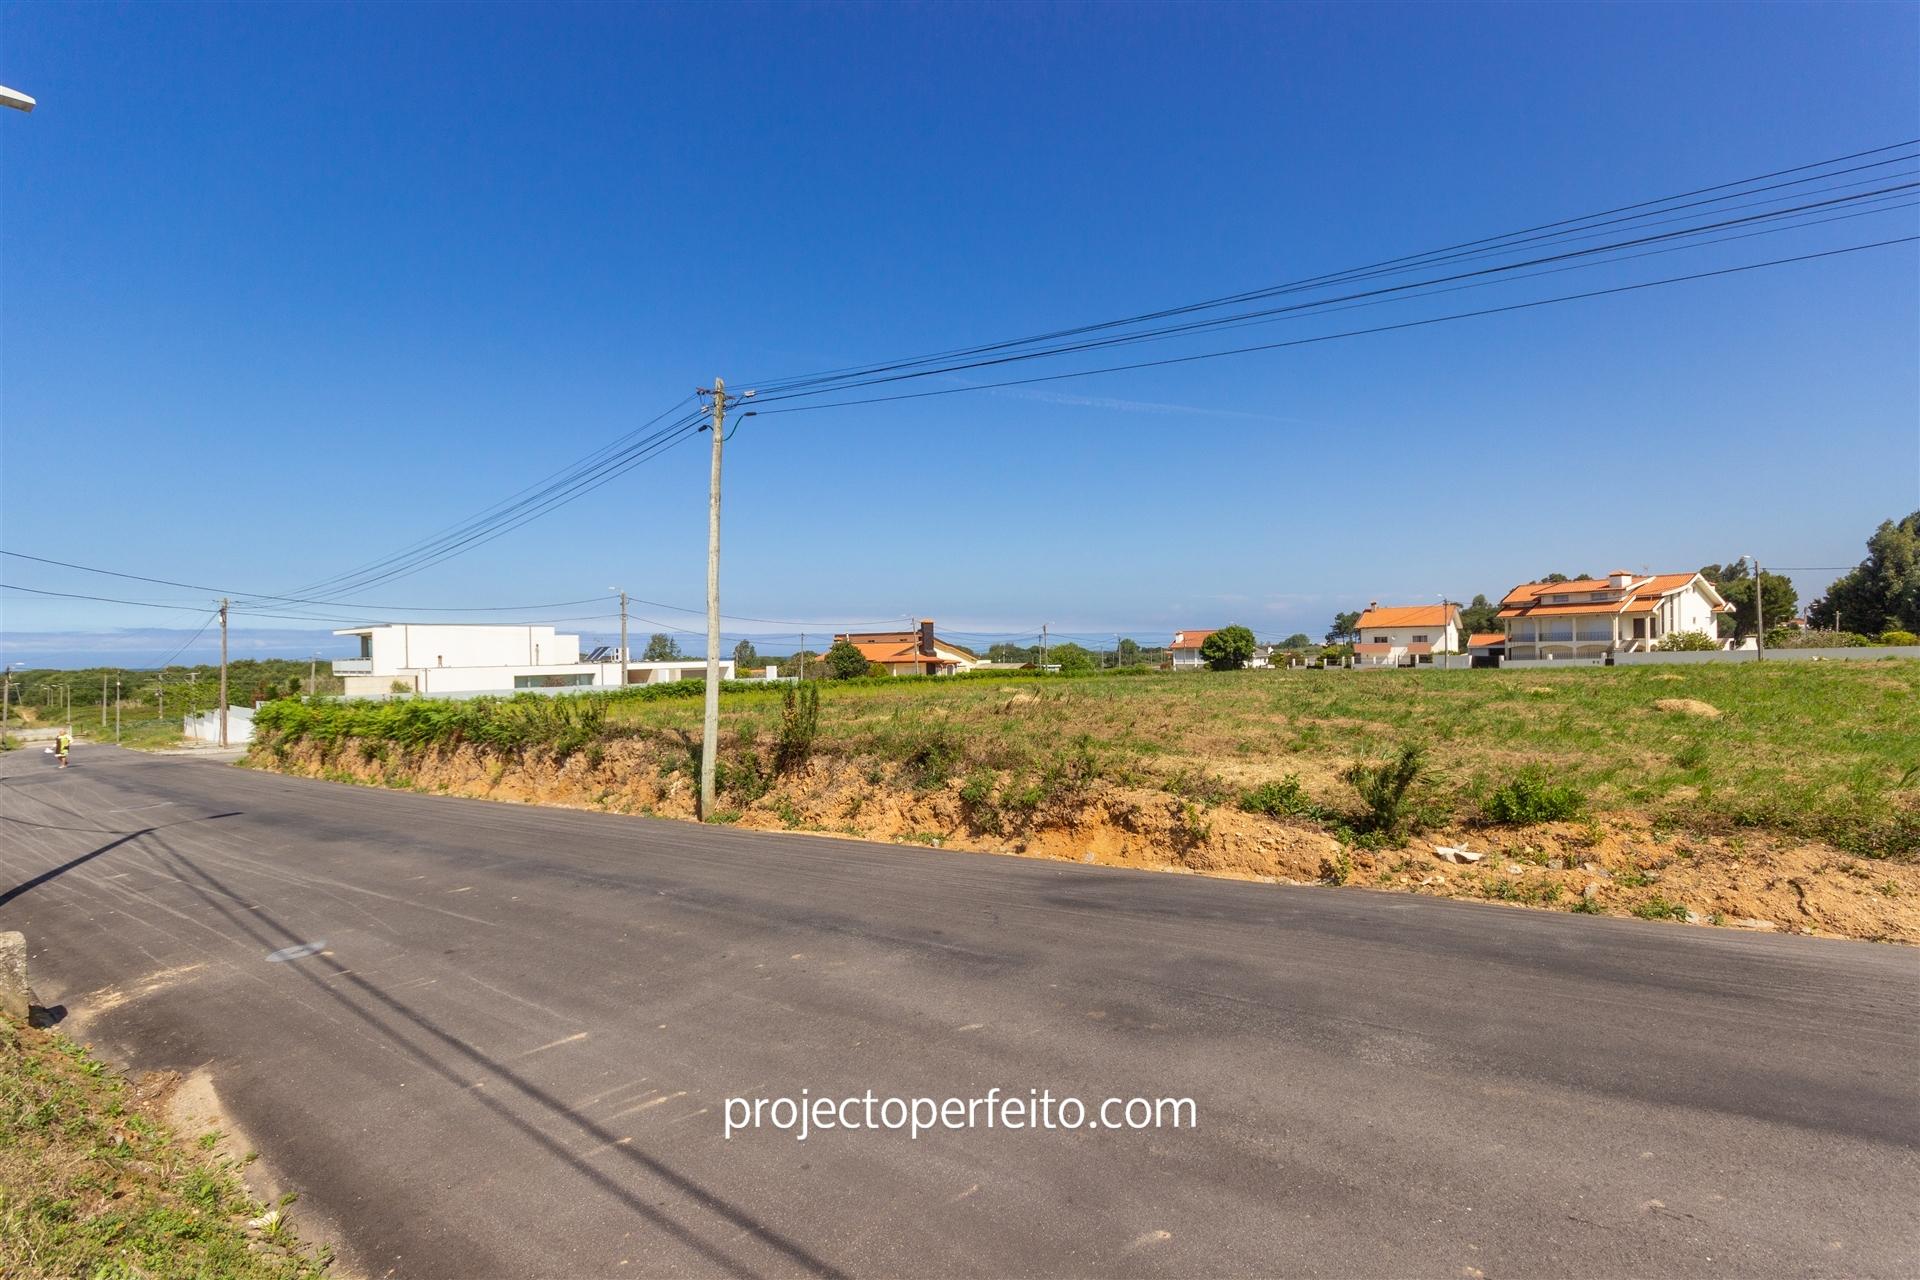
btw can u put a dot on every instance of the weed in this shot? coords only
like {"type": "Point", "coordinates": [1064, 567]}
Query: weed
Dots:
{"type": "Point", "coordinates": [799, 726]}
{"type": "Point", "coordinates": [1337, 869]}
{"type": "Point", "coordinates": [1529, 798]}
{"type": "Point", "coordinates": [1889, 889]}
{"type": "Point", "coordinates": [1692, 756]}
{"type": "Point", "coordinates": [1385, 790]}
{"type": "Point", "coordinates": [1658, 908]}
{"type": "Point", "coordinates": [1283, 799]}
{"type": "Point", "coordinates": [1632, 879]}
{"type": "Point", "coordinates": [1587, 907]}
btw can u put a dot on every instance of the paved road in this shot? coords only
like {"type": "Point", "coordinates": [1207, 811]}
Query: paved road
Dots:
{"type": "Point", "coordinates": [513, 1054]}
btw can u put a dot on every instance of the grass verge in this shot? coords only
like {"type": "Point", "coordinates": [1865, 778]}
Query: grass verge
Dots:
{"type": "Point", "coordinates": [94, 1184]}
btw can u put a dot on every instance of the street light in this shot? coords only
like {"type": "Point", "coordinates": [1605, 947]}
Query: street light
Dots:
{"type": "Point", "coordinates": [15, 99]}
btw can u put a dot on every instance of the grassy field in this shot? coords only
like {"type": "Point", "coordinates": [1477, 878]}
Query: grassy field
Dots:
{"type": "Point", "coordinates": [1827, 751]}
{"type": "Point", "coordinates": [93, 1183]}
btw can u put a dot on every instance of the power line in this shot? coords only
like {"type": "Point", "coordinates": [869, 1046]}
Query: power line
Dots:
{"type": "Point", "coordinates": [1562, 227]}
{"type": "Point", "coordinates": [1351, 333]}
{"type": "Point", "coordinates": [1205, 325]}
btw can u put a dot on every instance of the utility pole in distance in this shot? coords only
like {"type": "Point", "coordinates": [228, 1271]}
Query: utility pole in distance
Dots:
{"type": "Point", "coordinates": [1759, 616]}
{"type": "Point", "coordinates": [623, 634]}
{"type": "Point", "coordinates": [223, 671]}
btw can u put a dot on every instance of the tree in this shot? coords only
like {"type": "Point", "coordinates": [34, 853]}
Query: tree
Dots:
{"type": "Point", "coordinates": [1228, 648]}
{"type": "Point", "coordinates": [661, 648]}
{"type": "Point", "coordinates": [1299, 642]}
{"type": "Point", "coordinates": [1346, 628]}
{"type": "Point", "coordinates": [744, 656]}
{"type": "Point", "coordinates": [844, 662]}
{"type": "Point", "coordinates": [1005, 652]}
{"type": "Point", "coordinates": [1734, 582]}
{"type": "Point", "coordinates": [1126, 653]}
{"type": "Point", "coordinates": [1480, 616]}
{"type": "Point", "coordinates": [1070, 657]}
{"type": "Point", "coordinates": [1882, 592]}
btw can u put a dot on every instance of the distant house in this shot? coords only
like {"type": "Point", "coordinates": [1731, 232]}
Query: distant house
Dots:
{"type": "Point", "coordinates": [1622, 612]}
{"type": "Point", "coordinates": [1405, 635]}
{"type": "Point", "coordinates": [1185, 650]}
{"type": "Point", "coordinates": [1486, 648]}
{"type": "Point", "coordinates": [912, 653]}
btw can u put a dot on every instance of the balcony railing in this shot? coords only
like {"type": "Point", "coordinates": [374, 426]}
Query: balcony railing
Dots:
{"type": "Point", "coordinates": [353, 666]}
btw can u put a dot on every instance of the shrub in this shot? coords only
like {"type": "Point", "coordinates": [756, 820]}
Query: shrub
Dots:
{"type": "Point", "coordinates": [1899, 637]}
{"type": "Point", "coordinates": [844, 662]}
{"type": "Point", "coordinates": [1385, 790]}
{"type": "Point", "coordinates": [1283, 799]}
{"type": "Point", "coordinates": [1337, 869]}
{"type": "Point", "coordinates": [799, 726]}
{"type": "Point", "coordinates": [1814, 639]}
{"type": "Point", "coordinates": [1686, 642]}
{"type": "Point", "coordinates": [1530, 797]}
{"type": "Point", "coordinates": [1658, 908]}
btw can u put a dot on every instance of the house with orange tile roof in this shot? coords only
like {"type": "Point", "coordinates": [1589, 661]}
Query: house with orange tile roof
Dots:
{"type": "Point", "coordinates": [1620, 613]}
{"type": "Point", "coordinates": [912, 653]}
{"type": "Point", "coordinates": [1406, 635]}
{"type": "Point", "coordinates": [1184, 652]}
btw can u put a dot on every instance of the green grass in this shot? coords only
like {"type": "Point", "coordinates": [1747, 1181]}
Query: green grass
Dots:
{"type": "Point", "coordinates": [91, 1187]}
{"type": "Point", "coordinates": [1823, 751]}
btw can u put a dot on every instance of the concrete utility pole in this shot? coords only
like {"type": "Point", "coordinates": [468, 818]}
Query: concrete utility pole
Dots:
{"type": "Point", "coordinates": [623, 636]}
{"type": "Point", "coordinates": [313, 672]}
{"type": "Point", "coordinates": [1759, 616]}
{"type": "Point", "coordinates": [1043, 648]}
{"type": "Point", "coordinates": [223, 671]}
{"type": "Point", "coordinates": [710, 719]}
{"type": "Point", "coordinates": [116, 711]}
{"type": "Point", "coordinates": [103, 699]}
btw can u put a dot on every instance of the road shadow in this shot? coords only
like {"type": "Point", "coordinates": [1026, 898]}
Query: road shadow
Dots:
{"type": "Point", "coordinates": [737, 1221]}
{"type": "Point", "coordinates": [54, 873]}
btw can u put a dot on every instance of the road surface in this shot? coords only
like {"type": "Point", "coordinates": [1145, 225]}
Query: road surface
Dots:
{"type": "Point", "coordinates": [509, 1050]}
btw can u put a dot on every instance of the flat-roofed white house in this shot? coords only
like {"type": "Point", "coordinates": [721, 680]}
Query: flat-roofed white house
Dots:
{"type": "Point", "coordinates": [1184, 652]}
{"type": "Point", "coordinates": [1620, 613]}
{"type": "Point", "coordinates": [464, 658]}
{"type": "Point", "coordinates": [1406, 635]}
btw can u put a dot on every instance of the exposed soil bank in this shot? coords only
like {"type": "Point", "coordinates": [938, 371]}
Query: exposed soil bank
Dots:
{"type": "Point", "coordinates": [1611, 864]}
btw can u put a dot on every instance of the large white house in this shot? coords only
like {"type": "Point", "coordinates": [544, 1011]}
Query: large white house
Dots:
{"type": "Point", "coordinates": [1622, 612]}
{"type": "Point", "coordinates": [1406, 635]}
{"type": "Point", "coordinates": [1185, 649]}
{"type": "Point", "coordinates": [452, 657]}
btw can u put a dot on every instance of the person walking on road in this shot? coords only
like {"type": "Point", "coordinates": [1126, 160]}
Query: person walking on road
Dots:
{"type": "Point", "coordinates": [62, 745]}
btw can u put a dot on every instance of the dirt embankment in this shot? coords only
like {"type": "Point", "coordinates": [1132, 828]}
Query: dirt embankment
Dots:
{"type": "Point", "coordinates": [1610, 864]}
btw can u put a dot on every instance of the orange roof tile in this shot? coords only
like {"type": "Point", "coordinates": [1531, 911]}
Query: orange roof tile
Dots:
{"type": "Point", "coordinates": [1482, 638]}
{"type": "Point", "coordinates": [1410, 615]}
{"type": "Point", "coordinates": [1191, 639]}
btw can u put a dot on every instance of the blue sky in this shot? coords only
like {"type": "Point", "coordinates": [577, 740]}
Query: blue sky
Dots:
{"type": "Point", "coordinates": [289, 287]}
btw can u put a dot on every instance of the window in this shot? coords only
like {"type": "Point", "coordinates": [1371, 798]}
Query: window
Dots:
{"type": "Point", "coordinates": [559, 680]}
{"type": "Point", "coordinates": [1419, 639]}
{"type": "Point", "coordinates": [1381, 640]}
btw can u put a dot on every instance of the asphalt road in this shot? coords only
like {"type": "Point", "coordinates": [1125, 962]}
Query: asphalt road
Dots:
{"type": "Point", "coordinates": [512, 1056]}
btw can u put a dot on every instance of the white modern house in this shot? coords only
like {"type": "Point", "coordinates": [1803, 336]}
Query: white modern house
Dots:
{"type": "Point", "coordinates": [466, 658]}
{"type": "Point", "coordinates": [1620, 613]}
{"type": "Point", "coordinates": [1185, 649]}
{"type": "Point", "coordinates": [1406, 635]}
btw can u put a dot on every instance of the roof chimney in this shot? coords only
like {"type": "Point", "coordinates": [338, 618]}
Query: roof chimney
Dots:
{"type": "Point", "coordinates": [1619, 578]}
{"type": "Point", "coordinates": [926, 637]}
